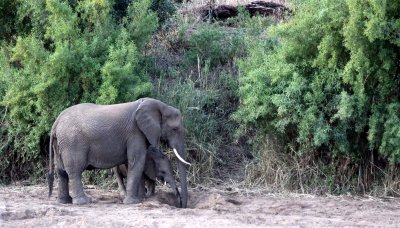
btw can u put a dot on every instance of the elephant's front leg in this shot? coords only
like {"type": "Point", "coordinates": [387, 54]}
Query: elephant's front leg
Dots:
{"type": "Point", "coordinates": [150, 187]}
{"type": "Point", "coordinates": [142, 188]}
{"type": "Point", "coordinates": [120, 181]}
{"type": "Point", "coordinates": [134, 178]}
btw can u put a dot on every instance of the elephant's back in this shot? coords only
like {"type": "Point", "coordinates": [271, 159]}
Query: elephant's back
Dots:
{"type": "Point", "coordinates": [89, 110]}
{"type": "Point", "coordinates": [89, 117]}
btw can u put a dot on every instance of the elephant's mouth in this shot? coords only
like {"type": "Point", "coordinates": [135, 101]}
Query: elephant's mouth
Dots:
{"type": "Point", "coordinates": [170, 184]}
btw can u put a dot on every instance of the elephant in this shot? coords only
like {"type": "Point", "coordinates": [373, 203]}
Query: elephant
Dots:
{"type": "Point", "coordinates": [90, 136]}
{"type": "Point", "coordinates": [147, 187]}
{"type": "Point", "coordinates": [151, 171]}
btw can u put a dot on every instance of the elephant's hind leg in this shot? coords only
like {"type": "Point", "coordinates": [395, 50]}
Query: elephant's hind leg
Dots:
{"type": "Point", "coordinates": [63, 190]}
{"type": "Point", "coordinates": [78, 195]}
{"type": "Point", "coordinates": [75, 162]}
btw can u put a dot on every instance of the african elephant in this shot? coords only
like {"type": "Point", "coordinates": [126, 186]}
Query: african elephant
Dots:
{"type": "Point", "coordinates": [90, 136]}
{"type": "Point", "coordinates": [147, 187]}
{"type": "Point", "coordinates": [162, 170]}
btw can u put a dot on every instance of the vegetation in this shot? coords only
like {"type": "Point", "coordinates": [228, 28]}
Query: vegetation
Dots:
{"type": "Point", "coordinates": [308, 104]}
{"type": "Point", "coordinates": [63, 53]}
{"type": "Point", "coordinates": [329, 90]}
{"type": "Point", "coordinates": [202, 83]}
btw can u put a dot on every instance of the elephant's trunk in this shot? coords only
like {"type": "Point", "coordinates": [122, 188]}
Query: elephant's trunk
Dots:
{"type": "Point", "coordinates": [182, 179]}
{"type": "Point", "coordinates": [172, 184]}
{"type": "Point", "coordinates": [179, 198]}
{"type": "Point", "coordinates": [182, 176]}
{"type": "Point", "coordinates": [175, 190]}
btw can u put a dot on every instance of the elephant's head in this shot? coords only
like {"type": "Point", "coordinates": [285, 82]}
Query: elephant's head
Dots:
{"type": "Point", "coordinates": [161, 122]}
{"type": "Point", "coordinates": [159, 166]}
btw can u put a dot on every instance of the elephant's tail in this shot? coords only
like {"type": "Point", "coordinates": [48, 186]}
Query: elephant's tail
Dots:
{"type": "Point", "coordinates": [50, 175]}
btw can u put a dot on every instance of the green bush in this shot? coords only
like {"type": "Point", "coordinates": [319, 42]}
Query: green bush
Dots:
{"type": "Point", "coordinates": [70, 52]}
{"type": "Point", "coordinates": [164, 9]}
{"type": "Point", "coordinates": [330, 86]}
{"type": "Point", "coordinates": [195, 70]}
{"type": "Point", "coordinates": [215, 44]}
{"type": "Point", "coordinates": [8, 19]}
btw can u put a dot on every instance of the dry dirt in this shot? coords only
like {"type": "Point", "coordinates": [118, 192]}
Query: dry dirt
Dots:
{"type": "Point", "coordinates": [28, 206]}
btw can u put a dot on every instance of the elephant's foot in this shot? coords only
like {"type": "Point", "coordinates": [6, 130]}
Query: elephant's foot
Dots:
{"type": "Point", "coordinates": [150, 190]}
{"type": "Point", "coordinates": [65, 199]}
{"type": "Point", "coordinates": [132, 200]}
{"type": "Point", "coordinates": [178, 200]}
{"type": "Point", "coordinates": [122, 193]}
{"type": "Point", "coordinates": [81, 200]}
{"type": "Point", "coordinates": [149, 194]}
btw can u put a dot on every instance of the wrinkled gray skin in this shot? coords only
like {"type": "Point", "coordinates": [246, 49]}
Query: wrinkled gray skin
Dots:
{"type": "Point", "coordinates": [163, 171]}
{"type": "Point", "coordinates": [89, 136]}
{"type": "Point", "coordinates": [147, 188]}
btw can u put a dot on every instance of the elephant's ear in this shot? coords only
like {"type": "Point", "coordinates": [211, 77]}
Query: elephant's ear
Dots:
{"type": "Point", "coordinates": [148, 119]}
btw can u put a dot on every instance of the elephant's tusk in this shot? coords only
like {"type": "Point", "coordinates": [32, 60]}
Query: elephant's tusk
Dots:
{"type": "Point", "coordinates": [180, 158]}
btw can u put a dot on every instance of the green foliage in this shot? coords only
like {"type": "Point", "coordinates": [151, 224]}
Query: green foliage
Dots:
{"type": "Point", "coordinates": [118, 83]}
{"type": "Point", "coordinates": [390, 146]}
{"type": "Point", "coordinates": [8, 18]}
{"type": "Point", "coordinates": [331, 85]}
{"type": "Point", "coordinates": [164, 9]}
{"type": "Point", "coordinates": [204, 89]}
{"type": "Point", "coordinates": [140, 23]}
{"type": "Point", "coordinates": [70, 52]}
{"type": "Point", "coordinates": [213, 44]}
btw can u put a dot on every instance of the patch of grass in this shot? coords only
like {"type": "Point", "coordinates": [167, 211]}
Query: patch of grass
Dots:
{"type": "Point", "coordinates": [103, 178]}
{"type": "Point", "coordinates": [214, 46]}
{"type": "Point", "coordinates": [278, 171]}
{"type": "Point", "coordinates": [204, 108]}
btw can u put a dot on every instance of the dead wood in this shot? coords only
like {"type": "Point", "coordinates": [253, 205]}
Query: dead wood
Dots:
{"type": "Point", "coordinates": [223, 12]}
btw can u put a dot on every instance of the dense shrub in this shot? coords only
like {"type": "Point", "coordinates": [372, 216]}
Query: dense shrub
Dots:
{"type": "Point", "coordinates": [164, 9]}
{"type": "Point", "coordinates": [330, 88]}
{"type": "Point", "coordinates": [68, 52]}
{"type": "Point", "coordinates": [214, 44]}
{"type": "Point", "coordinates": [8, 18]}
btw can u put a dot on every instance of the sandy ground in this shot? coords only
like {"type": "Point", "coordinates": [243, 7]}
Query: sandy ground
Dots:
{"type": "Point", "coordinates": [28, 206]}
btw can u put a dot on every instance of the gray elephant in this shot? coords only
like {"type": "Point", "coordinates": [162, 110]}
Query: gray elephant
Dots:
{"type": "Point", "coordinates": [148, 184]}
{"type": "Point", "coordinates": [163, 171]}
{"type": "Point", "coordinates": [90, 136]}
